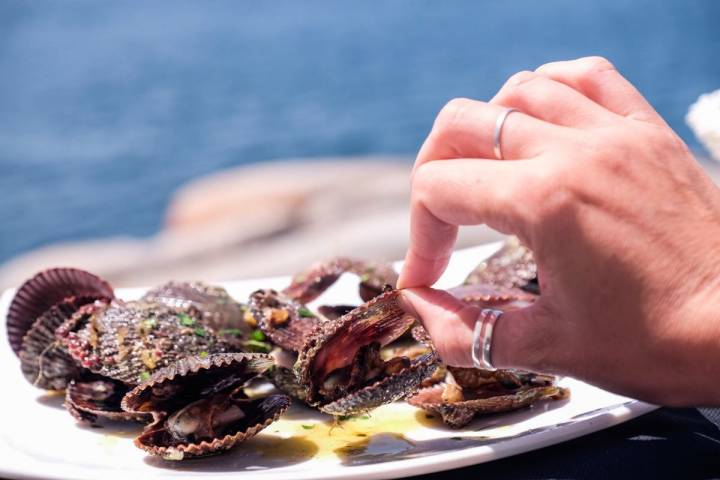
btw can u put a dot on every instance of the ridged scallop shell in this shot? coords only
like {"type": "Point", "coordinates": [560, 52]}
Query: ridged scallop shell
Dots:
{"type": "Point", "coordinates": [46, 289]}
{"type": "Point", "coordinates": [459, 414]}
{"type": "Point", "coordinates": [485, 295]}
{"type": "Point", "coordinates": [195, 369]}
{"type": "Point", "coordinates": [336, 342]}
{"type": "Point", "coordinates": [295, 327]}
{"type": "Point", "coordinates": [128, 341]}
{"type": "Point", "coordinates": [389, 389]}
{"type": "Point", "coordinates": [333, 312]}
{"type": "Point", "coordinates": [511, 266]}
{"type": "Point", "coordinates": [44, 360]}
{"type": "Point", "coordinates": [374, 276]}
{"type": "Point", "coordinates": [92, 397]}
{"type": "Point", "coordinates": [286, 381]}
{"type": "Point", "coordinates": [219, 310]}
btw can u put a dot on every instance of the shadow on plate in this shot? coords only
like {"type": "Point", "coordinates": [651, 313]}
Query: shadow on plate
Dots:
{"type": "Point", "coordinates": [258, 453]}
{"type": "Point", "coordinates": [52, 399]}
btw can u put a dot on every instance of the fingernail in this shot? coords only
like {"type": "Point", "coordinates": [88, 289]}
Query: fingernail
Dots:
{"type": "Point", "coordinates": [405, 301]}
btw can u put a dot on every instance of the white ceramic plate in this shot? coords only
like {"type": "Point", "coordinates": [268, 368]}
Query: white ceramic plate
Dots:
{"type": "Point", "coordinates": [38, 439]}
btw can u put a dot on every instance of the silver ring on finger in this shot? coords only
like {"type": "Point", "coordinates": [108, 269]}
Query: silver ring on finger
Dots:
{"type": "Point", "coordinates": [497, 148]}
{"type": "Point", "coordinates": [482, 338]}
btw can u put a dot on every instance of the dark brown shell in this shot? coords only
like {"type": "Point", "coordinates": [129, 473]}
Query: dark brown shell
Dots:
{"type": "Point", "coordinates": [332, 312]}
{"type": "Point", "coordinates": [336, 343]}
{"type": "Point", "coordinates": [374, 276]}
{"type": "Point", "coordinates": [46, 289]}
{"type": "Point", "coordinates": [265, 411]}
{"type": "Point", "coordinates": [389, 389]}
{"type": "Point", "coordinates": [93, 397]}
{"type": "Point", "coordinates": [219, 310]}
{"type": "Point", "coordinates": [286, 381]}
{"type": "Point", "coordinates": [44, 360]}
{"type": "Point", "coordinates": [128, 341]}
{"type": "Point", "coordinates": [268, 307]}
{"type": "Point", "coordinates": [485, 295]}
{"type": "Point", "coordinates": [459, 414]}
{"type": "Point", "coordinates": [513, 266]}
{"type": "Point", "coordinates": [188, 378]}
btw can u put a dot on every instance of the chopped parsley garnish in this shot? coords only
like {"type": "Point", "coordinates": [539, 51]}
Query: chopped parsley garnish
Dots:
{"type": "Point", "coordinates": [257, 335]}
{"type": "Point", "coordinates": [305, 312]}
{"type": "Point", "coordinates": [308, 427]}
{"type": "Point", "coordinates": [186, 320]}
{"type": "Point", "coordinates": [235, 332]}
{"type": "Point", "coordinates": [144, 376]}
{"type": "Point", "coordinates": [203, 354]}
{"type": "Point", "coordinates": [364, 277]}
{"type": "Point", "coordinates": [200, 332]}
{"type": "Point", "coordinates": [255, 346]}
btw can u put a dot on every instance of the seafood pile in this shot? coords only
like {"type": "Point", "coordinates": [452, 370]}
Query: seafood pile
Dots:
{"type": "Point", "coordinates": [179, 360]}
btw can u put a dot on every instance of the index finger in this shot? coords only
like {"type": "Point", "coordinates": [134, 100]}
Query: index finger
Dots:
{"type": "Point", "coordinates": [450, 193]}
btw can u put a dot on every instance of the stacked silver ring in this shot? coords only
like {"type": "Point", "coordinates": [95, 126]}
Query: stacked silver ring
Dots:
{"type": "Point", "coordinates": [482, 338]}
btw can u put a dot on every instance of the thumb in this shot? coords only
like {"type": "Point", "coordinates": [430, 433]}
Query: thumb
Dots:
{"type": "Point", "coordinates": [520, 337]}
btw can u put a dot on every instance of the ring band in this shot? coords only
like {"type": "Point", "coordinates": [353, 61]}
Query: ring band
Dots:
{"type": "Point", "coordinates": [497, 150]}
{"type": "Point", "coordinates": [482, 338]}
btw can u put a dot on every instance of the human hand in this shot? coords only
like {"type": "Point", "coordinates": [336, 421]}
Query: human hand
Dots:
{"type": "Point", "coordinates": [623, 222]}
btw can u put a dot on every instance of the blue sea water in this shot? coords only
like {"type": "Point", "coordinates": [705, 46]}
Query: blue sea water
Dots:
{"type": "Point", "coordinates": [107, 107]}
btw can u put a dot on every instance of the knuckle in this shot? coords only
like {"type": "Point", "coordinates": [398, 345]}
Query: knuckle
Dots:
{"type": "Point", "coordinates": [519, 85]}
{"type": "Point", "coordinates": [594, 65]}
{"type": "Point", "coordinates": [520, 77]}
{"type": "Point", "coordinates": [451, 114]}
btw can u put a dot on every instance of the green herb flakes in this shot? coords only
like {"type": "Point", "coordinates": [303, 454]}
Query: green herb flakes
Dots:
{"type": "Point", "coordinates": [305, 312]}
{"type": "Point", "coordinates": [257, 335]}
{"type": "Point", "coordinates": [234, 332]}
{"type": "Point", "coordinates": [255, 346]}
{"type": "Point", "coordinates": [144, 376]}
{"type": "Point", "coordinates": [200, 332]}
{"type": "Point", "coordinates": [308, 427]}
{"type": "Point", "coordinates": [186, 320]}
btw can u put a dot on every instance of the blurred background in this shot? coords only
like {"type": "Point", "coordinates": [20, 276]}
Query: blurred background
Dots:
{"type": "Point", "coordinates": [220, 140]}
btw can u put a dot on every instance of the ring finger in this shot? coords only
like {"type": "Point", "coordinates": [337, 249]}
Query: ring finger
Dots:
{"type": "Point", "coordinates": [464, 129]}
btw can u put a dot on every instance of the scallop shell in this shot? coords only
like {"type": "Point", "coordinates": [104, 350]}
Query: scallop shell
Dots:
{"type": "Point", "coordinates": [128, 341]}
{"type": "Point", "coordinates": [296, 322]}
{"type": "Point", "coordinates": [219, 310]}
{"type": "Point", "coordinates": [486, 295]}
{"type": "Point", "coordinates": [374, 276]}
{"type": "Point", "coordinates": [94, 396]}
{"type": "Point", "coordinates": [511, 266]}
{"type": "Point", "coordinates": [286, 381]}
{"type": "Point", "coordinates": [389, 389]}
{"type": "Point", "coordinates": [44, 360]}
{"type": "Point", "coordinates": [332, 312]}
{"type": "Point", "coordinates": [190, 375]}
{"type": "Point", "coordinates": [496, 400]}
{"type": "Point", "coordinates": [46, 289]}
{"type": "Point", "coordinates": [336, 343]}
